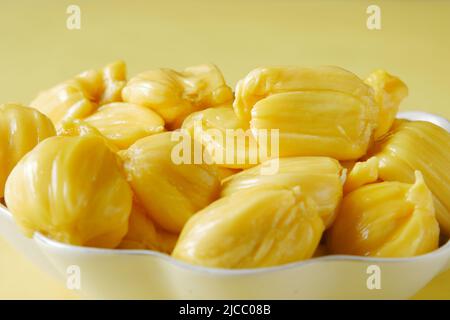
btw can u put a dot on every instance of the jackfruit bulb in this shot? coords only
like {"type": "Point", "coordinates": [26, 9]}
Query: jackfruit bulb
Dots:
{"type": "Point", "coordinates": [361, 173]}
{"type": "Point", "coordinates": [79, 128]}
{"type": "Point", "coordinates": [144, 234]}
{"type": "Point", "coordinates": [389, 91]}
{"type": "Point", "coordinates": [170, 191]}
{"type": "Point", "coordinates": [386, 219]}
{"type": "Point", "coordinates": [423, 146]}
{"type": "Point", "coordinates": [71, 189]}
{"type": "Point", "coordinates": [319, 178]}
{"type": "Point", "coordinates": [125, 123]}
{"type": "Point", "coordinates": [229, 140]}
{"type": "Point", "coordinates": [324, 111]}
{"type": "Point", "coordinates": [21, 129]}
{"type": "Point", "coordinates": [252, 228]}
{"type": "Point", "coordinates": [81, 95]}
{"type": "Point", "coordinates": [174, 95]}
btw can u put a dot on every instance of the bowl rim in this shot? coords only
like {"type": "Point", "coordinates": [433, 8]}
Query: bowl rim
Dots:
{"type": "Point", "coordinates": [43, 240]}
{"type": "Point", "coordinates": [417, 115]}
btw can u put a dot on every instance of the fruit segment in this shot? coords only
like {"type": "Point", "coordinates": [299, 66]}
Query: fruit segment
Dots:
{"type": "Point", "coordinates": [71, 190]}
{"type": "Point", "coordinates": [251, 229]}
{"type": "Point", "coordinates": [317, 123]}
{"type": "Point", "coordinates": [266, 81]}
{"type": "Point", "coordinates": [227, 139]}
{"type": "Point", "coordinates": [21, 129]}
{"type": "Point", "coordinates": [144, 234]}
{"type": "Point", "coordinates": [389, 91]}
{"type": "Point", "coordinates": [361, 173]}
{"type": "Point", "coordinates": [423, 146]}
{"type": "Point", "coordinates": [319, 178]}
{"type": "Point", "coordinates": [169, 191]}
{"type": "Point", "coordinates": [174, 95]}
{"type": "Point", "coordinates": [80, 96]}
{"type": "Point", "coordinates": [79, 128]}
{"type": "Point", "coordinates": [125, 123]}
{"type": "Point", "coordinates": [387, 219]}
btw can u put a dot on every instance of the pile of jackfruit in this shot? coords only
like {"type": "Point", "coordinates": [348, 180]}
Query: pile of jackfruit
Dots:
{"type": "Point", "coordinates": [90, 162]}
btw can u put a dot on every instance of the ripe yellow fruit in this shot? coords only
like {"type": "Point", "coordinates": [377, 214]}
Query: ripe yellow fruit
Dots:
{"type": "Point", "coordinates": [125, 123]}
{"type": "Point", "coordinates": [423, 146]}
{"type": "Point", "coordinates": [319, 178]}
{"type": "Point", "coordinates": [144, 234]}
{"type": "Point", "coordinates": [221, 118]}
{"type": "Point", "coordinates": [169, 192]}
{"type": "Point", "coordinates": [361, 173]}
{"type": "Point", "coordinates": [266, 81]}
{"type": "Point", "coordinates": [389, 91]}
{"type": "Point", "coordinates": [21, 129]}
{"type": "Point", "coordinates": [174, 95]}
{"type": "Point", "coordinates": [80, 96]}
{"type": "Point", "coordinates": [72, 190]}
{"type": "Point", "coordinates": [317, 123]}
{"type": "Point", "coordinates": [251, 229]}
{"type": "Point", "coordinates": [79, 128]}
{"type": "Point", "coordinates": [211, 126]}
{"type": "Point", "coordinates": [387, 219]}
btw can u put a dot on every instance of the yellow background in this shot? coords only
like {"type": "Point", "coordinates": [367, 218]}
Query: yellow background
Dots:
{"type": "Point", "coordinates": [37, 51]}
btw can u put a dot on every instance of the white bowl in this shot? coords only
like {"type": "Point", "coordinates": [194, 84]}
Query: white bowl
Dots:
{"type": "Point", "coordinates": [144, 274]}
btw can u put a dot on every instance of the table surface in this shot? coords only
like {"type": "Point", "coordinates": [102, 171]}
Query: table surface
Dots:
{"type": "Point", "coordinates": [37, 51]}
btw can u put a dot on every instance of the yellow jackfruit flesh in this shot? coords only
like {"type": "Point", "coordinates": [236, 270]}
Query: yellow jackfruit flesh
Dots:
{"type": "Point", "coordinates": [125, 123]}
{"type": "Point", "coordinates": [211, 126]}
{"type": "Point", "coordinates": [361, 173]}
{"type": "Point", "coordinates": [144, 234]}
{"type": "Point", "coordinates": [423, 146]}
{"type": "Point", "coordinates": [252, 228]}
{"type": "Point", "coordinates": [80, 96]}
{"type": "Point", "coordinates": [294, 152]}
{"type": "Point", "coordinates": [319, 178]}
{"type": "Point", "coordinates": [114, 78]}
{"type": "Point", "coordinates": [387, 219]}
{"type": "Point", "coordinates": [324, 111]}
{"type": "Point", "coordinates": [79, 128]}
{"type": "Point", "coordinates": [170, 191]}
{"type": "Point", "coordinates": [266, 81]}
{"type": "Point", "coordinates": [21, 129]}
{"type": "Point", "coordinates": [317, 123]}
{"type": "Point", "coordinates": [389, 91]}
{"type": "Point", "coordinates": [71, 189]}
{"type": "Point", "coordinates": [174, 95]}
